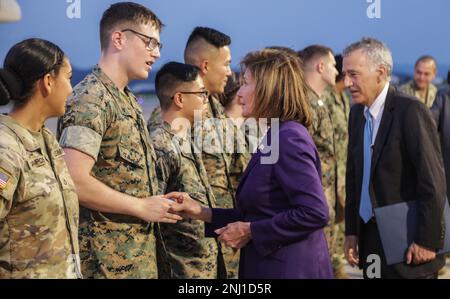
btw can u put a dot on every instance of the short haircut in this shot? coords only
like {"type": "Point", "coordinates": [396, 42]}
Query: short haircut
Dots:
{"type": "Point", "coordinates": [426, 58]}
{"type": "Point", "coordinates": [280, 90]}
{"type": "Point", "coordinates": [375, 51]}
{"type": "Point", "coordinates": [170, 77]}
{"type": "Point", "coordinates": [212, 36]}
{"type": "Point", "coordinates": [125, 13]}
{"type": "Point", "coordinates": [312, 52]}
{"type": "Point", "coordinates": [201, 36]}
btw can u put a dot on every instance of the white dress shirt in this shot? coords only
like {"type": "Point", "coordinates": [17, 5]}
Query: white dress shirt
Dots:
{"type": "Point", "coordinates": [376, 111]}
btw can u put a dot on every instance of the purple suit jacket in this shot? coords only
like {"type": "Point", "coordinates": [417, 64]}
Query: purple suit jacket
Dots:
{"type": "Point", "coordinates": [286, 206]}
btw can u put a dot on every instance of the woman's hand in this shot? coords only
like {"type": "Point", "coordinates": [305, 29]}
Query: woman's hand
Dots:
{"type": "Point", "coordinates": [156, 209]}
{"type": "Point", "coordinates": [189, 207]}
{"type": "Point", "coordinates": [235, 235]}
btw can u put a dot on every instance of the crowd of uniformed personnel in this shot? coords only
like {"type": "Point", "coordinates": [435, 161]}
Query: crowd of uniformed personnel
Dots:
{"type": "Point", "coordinates": [104, 215]}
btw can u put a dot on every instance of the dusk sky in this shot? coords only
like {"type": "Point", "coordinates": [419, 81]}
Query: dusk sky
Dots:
{"type": "Point", "coordinates": [410, 28]}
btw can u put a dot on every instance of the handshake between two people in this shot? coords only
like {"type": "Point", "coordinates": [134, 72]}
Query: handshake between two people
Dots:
{"type": "Point", "coordinates": [175, 206]}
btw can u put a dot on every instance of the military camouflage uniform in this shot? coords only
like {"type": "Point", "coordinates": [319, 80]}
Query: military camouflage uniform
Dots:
{"type": "Point", "coordinates": [38, 206]}
{"type": "Point", "coordinates": [322, 133]}
{"type": "Point", "coordinates": [241, 154]}
{"type": "Point", "coordinates": [179, 168]}
{"type": "Point", "coordinates": [155, 119]}
{"type": "Point", "coordinates": [411, 89]}
{"type": "Point", "coordinates": [339, 107]}
{"type": "Point", "coordinates": [107, 124]}
{"type": "Point", "coordinates": [239, 158]}
{"type": "Point", "coordinates": [224, 168]}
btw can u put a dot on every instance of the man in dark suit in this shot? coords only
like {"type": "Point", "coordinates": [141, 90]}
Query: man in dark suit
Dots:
{"type": "Point", "coordinates": [393, 156]}
{"type": "Point", "coordinates": [441, 114]}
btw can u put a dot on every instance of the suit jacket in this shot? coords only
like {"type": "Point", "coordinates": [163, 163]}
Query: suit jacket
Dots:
{"type": "Point", "coordinates": [286, 206]}
{"type": "Point", "coordinates": [441, 114]}
{"type": "Point", "coordinates": [406, 165]}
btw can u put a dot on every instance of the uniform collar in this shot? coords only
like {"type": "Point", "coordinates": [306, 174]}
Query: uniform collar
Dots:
{"type": "Point", "coordinates": [414, 86]}
{"type": "Point", "coordinates": [217, 109]}
{"type": "Point", "coordinates": [109, 84]}
{"type": "Point", "coordinates": [168, 128]}
{"type": "Point", "coordinates": [28, 141]}
{"type": "Point", "coordinates": [311, 91]}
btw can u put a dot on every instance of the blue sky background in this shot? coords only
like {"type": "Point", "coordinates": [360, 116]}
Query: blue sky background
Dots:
{"type": "Point", "coordinates": [410, 28]}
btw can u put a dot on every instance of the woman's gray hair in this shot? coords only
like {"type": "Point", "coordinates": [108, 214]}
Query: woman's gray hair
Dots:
{"type": "Point", "coordinates": [376, 51]}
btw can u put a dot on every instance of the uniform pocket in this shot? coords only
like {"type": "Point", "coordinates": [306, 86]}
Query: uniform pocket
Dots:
{"type": "Point", "coordinates": [131, 155]}
{"type": "Point", "coordinates": [39, 179]}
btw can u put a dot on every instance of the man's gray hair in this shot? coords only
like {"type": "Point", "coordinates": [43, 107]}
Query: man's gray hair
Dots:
{"type": "Point", "coordinates": [376, 51]}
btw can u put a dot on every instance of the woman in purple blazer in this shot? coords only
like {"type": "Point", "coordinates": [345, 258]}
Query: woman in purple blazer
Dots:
{"type": "Point", "coordinates": [281, 208]}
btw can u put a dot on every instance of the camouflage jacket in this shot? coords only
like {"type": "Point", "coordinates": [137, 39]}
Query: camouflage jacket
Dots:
{"type": "Point", "coordinates": [322, 133]}
{"type": "Point", "coordinates": [38, 206]}
{"type": "Point", "coordinates": [179, 168]}
{"type": "Point", "coordinates": [155, 119]}
{"type": "Point", "coordinates": [242, 150]}
{"type": "Point", "coordinates": [224, 157]}
{"type": "Point", "coordinates": [411, 89]}
{"type": "Point", "coordinates": [224, 165]}
{"type": "Point", "coordinates": [107, 124]}
{"type": "Point", "coordinates": [214, 154]}
{"type": "Point", "coordinates": [339, 107]}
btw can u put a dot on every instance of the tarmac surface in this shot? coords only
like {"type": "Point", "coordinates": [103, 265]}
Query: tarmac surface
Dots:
{"type": "Point", "coordinates": [355, 273]}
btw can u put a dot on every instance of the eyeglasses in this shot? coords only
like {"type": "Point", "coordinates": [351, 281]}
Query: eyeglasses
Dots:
{"type": "Point", "coordinates": [203, 94]}
{"type": "Point", "coordinates": [150, 42]}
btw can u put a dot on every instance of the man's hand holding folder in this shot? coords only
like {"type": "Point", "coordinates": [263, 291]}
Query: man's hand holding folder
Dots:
{"type": "Point", "coordinates": [418, 255]}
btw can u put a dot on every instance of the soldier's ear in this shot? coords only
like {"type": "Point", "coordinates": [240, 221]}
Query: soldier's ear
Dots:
{"type": "Point", "coordinates": [320, 67]}
{"type": "Point", "coordinates": [45, 85]}
{"type": "Point", "coordinates": [117, 39]}
{"type": "Point", "coordinates": [178, 100]}
{"type": "Point", "coordinates": [204, 66]}
{"type": "Point", "coordinates": [434, 73]}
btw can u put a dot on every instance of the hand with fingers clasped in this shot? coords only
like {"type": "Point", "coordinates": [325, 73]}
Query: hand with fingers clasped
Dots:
{"type": "Point", "coordinates": [187, 206]}
{"type": "Point", "coordinates": [157, 209]}
{"type": "Point", "coordinates": [235, 235]}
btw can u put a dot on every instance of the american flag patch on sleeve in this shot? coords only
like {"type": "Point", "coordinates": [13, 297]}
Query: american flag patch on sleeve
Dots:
{"type": "Point", "coordinates": [4, 179]}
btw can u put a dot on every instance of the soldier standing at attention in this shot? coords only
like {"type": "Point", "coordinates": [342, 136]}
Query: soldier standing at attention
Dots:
{"type": "Point", "coordinates": [421, 87]}
{"type": "Point", "coordinates": [319, 68]}
{"type": "Point", "coordinates": [38, 203]}
{"type": "Point", "coordinates": [181, 92]}
{"type": "Point", "coordinates": [209, 50]}
{"type": "Point", "coordinates": [109, 153]}
{"type": "Point", "coordinates": [338, 101]}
